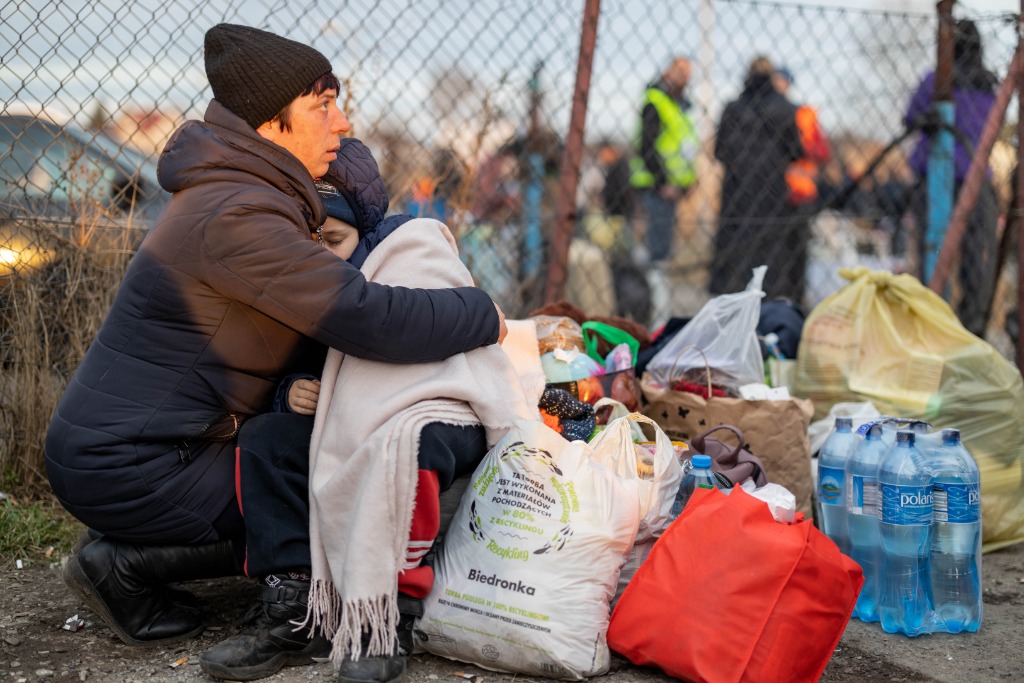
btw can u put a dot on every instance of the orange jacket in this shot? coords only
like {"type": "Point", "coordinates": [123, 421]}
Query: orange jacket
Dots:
{"type": "Point", "coordinates": [802, 174]}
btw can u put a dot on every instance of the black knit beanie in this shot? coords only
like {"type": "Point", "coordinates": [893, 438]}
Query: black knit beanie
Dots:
{"type": "Point", "coordinates": [255, 74]}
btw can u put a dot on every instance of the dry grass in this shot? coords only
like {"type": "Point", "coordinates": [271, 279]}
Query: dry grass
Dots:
{"type": "Point", "coordinates": [50, 310]}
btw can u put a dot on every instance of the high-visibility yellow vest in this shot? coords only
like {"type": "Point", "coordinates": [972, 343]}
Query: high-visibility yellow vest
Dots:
{"type": "Point", "coordinates": [677, 144]}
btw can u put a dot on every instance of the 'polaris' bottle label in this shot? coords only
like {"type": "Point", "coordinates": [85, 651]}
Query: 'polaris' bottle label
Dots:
{"type": "Point", "coordinates": [957, 503]}
{"type": "Point", "coordinates": [862, 498]}
{"type": "Point", "coordinates": [830, 485]}
{"type": "Point", "coordinates": [906, 504]}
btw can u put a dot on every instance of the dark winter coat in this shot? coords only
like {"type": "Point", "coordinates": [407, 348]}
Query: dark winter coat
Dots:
{"type": "Point", "coordinates": [225, 295]}
{"type": "Point", "coordinates": [757, 139]}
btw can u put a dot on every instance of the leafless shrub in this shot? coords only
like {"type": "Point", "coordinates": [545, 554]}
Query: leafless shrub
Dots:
{"type": "Point", "coordinates": [57, 281]}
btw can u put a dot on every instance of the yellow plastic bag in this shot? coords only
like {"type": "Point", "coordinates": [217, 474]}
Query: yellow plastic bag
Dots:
{"type": "Point", "coordinates": [888, 339]}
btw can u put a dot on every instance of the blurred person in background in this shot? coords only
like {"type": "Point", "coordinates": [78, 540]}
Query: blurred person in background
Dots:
{"type": "Point", "coordinates": [618, 199]}
{"type": "Point", "coordinates": [226, 294]}
{"type": "Point", "coordinates": [439, 195]}
{"type": "Point", "coordinates": [757, 141]}
{"type": "Point", "coordinates": [802, 174]}
{"type": "Point", "coordinates": [491, 242]}
{"type": "Point", "coordinates": [664, 169]}
{"type": "Point", "coordinates": [617, 196]}
{"type": "Point", "coordinates": [974, 89]}
{"type": "Point", "coordinates": [603, 279]}
{"type": "Point", "coordinates": [497, 190]}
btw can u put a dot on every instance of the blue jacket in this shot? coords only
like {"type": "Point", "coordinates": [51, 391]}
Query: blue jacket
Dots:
{"type": "Point", "coordinates": [226, 294]}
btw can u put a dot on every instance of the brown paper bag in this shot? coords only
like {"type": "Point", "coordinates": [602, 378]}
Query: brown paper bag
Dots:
{"type": "Point", "coordinates": [775, 431]}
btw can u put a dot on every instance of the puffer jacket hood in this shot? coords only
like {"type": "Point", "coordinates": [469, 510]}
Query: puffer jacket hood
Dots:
{"type": "Point", "coordinates": [223, 148]}
{"type": "Point", "coordinates": [356, 175]}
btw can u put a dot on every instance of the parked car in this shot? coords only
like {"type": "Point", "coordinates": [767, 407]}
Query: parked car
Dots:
{"type": "Point", "coordinates": [56, 175]}
{"type": "Point", "coordinates": [43, 166]}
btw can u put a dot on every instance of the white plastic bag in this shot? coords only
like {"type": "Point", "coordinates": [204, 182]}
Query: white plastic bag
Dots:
{"type": "Point", "coordinates": [725, 329]}
{"type": "Point", "coordinates": [780, 500]}
{"type": "Point", "coordinates": [657, 472]}
{"type": "Point", "coordinates": [615, 448]}
{"type": "Point", "coordinates": [616, 409]}
{"type": "Point", "coordinates": [525, 576]}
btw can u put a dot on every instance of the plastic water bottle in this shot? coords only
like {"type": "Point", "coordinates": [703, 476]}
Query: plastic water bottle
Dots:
{"type": "Point", "coordinates": [836, 450]}
{"type": "Point", "coordinates": [862, 511]}
{"type": "Point", "coordinates": [700, 476]}
{"type": "Point", "coordinates": [956, 538]}
{"type": "Point", "coordinates": [905, 527]}
{"type": "Point", "coordinates": [686, 465]}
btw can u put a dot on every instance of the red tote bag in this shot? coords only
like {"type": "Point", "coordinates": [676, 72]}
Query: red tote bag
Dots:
{"type": "Point", "coordinates": [729, 594]}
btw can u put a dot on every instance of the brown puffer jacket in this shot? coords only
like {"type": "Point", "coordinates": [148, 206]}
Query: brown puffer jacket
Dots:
{"type": "Point", "coordinates": [226, 294]}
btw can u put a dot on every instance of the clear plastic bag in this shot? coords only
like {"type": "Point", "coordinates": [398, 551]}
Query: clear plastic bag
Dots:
{"type": "Point", "coordinates": [725, 329]}
{"type": "Point", "coordinates": [558, 332]}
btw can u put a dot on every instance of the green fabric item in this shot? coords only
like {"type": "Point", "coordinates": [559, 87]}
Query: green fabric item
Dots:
{"type": "Point", "coordinates": [593, 331]}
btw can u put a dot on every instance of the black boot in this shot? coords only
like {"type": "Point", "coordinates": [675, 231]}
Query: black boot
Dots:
{"type": "Point", "coordinates": [87, 537]}
{"type": "Point", "coordinates": [175, 593]}
{"type": "Point", "coordinates": [388, 668]}
{"type": "Point", "coordinates": [124, 583]}
{"type": "Point", "coordinates": [271, 642]}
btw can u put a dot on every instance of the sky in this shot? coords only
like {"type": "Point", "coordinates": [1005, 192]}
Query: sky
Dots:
{"type": "Point", "coordinates": [973, 6]}
{"type": "Point", "coordinates": [856, 63]}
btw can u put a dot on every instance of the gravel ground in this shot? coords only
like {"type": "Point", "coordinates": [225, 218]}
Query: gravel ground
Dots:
{"type": "Point", "coordinates": [34, 647]}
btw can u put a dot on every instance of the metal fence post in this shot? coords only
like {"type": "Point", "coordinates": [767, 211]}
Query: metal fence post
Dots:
{"type": "Point", "coordinates": [572, 156]}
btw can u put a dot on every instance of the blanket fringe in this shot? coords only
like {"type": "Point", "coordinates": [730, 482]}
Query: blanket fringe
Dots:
{"type": "Point", "coordinates": [377, 617]}
{"type": "Point", "coordinates": [324, 610]}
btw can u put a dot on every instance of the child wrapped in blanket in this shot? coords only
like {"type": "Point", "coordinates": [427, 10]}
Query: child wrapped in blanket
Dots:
{"type": "Point", "coordinates": [387, 439]}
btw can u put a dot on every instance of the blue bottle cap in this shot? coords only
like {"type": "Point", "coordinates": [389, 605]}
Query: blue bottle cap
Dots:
{"type": "Point", "coordinates": [874, 433]}
{"type": "Point", "coordinates": [950, 436]}
{"type": "Point", "coordinates": [844, 423]}
{"type": "Point", "coordinates": [907, 438]}
{"type": "Point", "coordinates": [701, 461]}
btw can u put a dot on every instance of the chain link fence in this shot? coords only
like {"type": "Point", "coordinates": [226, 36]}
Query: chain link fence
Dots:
{"type": "Point", "coordinates": [466, 106]}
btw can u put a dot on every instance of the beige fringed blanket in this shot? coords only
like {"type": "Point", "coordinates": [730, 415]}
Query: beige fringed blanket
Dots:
{"type": "Point", "coordinates": [363, 465]}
